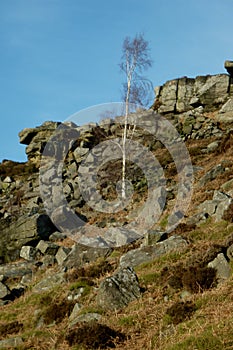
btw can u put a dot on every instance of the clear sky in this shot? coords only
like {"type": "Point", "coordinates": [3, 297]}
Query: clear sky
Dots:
{"type": "Point", "coordinates": [60, 56]}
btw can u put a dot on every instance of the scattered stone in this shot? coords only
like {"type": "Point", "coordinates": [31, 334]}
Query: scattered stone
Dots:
{"type": "Point", "coordinates": [224, 203]}
{"type": "Point", "coordinates": [62, 254]}
{"type": "Point", "coordinates": [217, 206]}
{"type": "Point", "coordinates": [26, 280]}
{"type": "Point", "coordinates": [211, 174]}
{"type": "Point", "coordinates": [49, 282]}
{"type": "Point", "coordinates": [213, 146]}
{"type": "Point", "coordinates": [47, 248]}
{"type": "Point", "coordinates": [153, 236]}
{"type": "Point", "coordinates": [7, 180]}
{"type": "Point", "coordinates": [222, 267]}
{"type": "Point", "coordinates": [80, 254]}
{"type": "Point", "coordinates": [57, 236]}
{"type": "Point", "coordinates": [4, 291]}
{"type": "Point", "coordinates": [28, 253]}
{"type": "Point", "coordinates": [16, 270]}
{"type": "Point", "coordinates": [230, 252]}
{"type": "Point", "coordinates": [141, 255]}
{"type": "Point", "coordinates": [227, 187]}
{"type": "Point", "coordinates": [119, 290]}
{"type": "Point", "coordinates": [11, 343]}
{"type": "Point", "coordinates": [88, 317]}
{"type": "Point", "coordinates": [48, 260]}
{"type": "Point", "coordinates": [75, 312]}
{"type": "Point", "coordinates": [185, 294]}
{"type": "Point", "coordinates": [119, 236]}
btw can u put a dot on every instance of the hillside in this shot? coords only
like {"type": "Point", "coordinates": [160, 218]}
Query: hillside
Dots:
{"type": "Point", "coordinates": [156, 274]}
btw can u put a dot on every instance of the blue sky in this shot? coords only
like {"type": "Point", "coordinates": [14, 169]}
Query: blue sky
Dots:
{"type": "Point", "coordinates": [60, 56]}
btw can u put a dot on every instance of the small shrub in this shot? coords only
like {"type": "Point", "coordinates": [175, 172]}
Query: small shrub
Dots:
{"type": "Point", "coordinates": [180, 311]}
{"type": "Point", "coordinates": [91, 271]}
{"type": "Point", "coordinates": [94, 335]}
{"type": "Point", "coordinates": [57, 311]}
{"type": "Point", "coordinates": [194, 278]}
{"type": "Point", "coordinates": [228, 213]}
{"type": "Point", "coordinates": [197, 279]}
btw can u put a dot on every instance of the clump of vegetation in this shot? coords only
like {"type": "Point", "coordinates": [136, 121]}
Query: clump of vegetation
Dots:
{"type": "Point", "coordinates": [10, 328]}
{"type": "Point", "coordinates": [57, 311]}
{"type": "Point", "coordinates": [96, 270]}
{"type": "Point", "coordinates": [206, 341]}
{"type": "Point", "coordinates": [180, 311]}
{"type": "Point", "coordinates": [228, 214]}
{"type": "Point", "coordinates": [194, 279]}
{"type": "Point", "coordinates": [94, 335]}
{"type": "Point", "coordinates": [11, 168]}
{"type": "Point", "coordinates": [226, 142]}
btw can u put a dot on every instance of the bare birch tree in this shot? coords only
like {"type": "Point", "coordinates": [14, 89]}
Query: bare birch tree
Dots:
{"type": "Point", "coordinates": [135, 60]}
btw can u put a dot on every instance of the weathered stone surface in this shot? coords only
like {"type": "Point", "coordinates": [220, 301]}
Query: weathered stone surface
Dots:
{"type": "Point", "coordinates": [119, 236]}
{"type": "Point", "coordinates": [26, 135]}
{"type": "Point", "coordinates": [36, 138]}
{"type": "Point", "coordinates": [230, 252]}
{"type": "Point", "coordinates": [227, 187]}
{"type": "Point", "coordinates": [4, 291]}
{"type": "Point", "coordinates": [225, 114]}
{"type": "Point", "coordinates": [228, 65]}
{"type": "Point", "coordinates": [152, 237]}
{"type": "Point", "coordinates": [81, 254]}
{"type": "Point", "coordinates": [167, 96]}
{"type": "Point", "coordinates": [28, 253]}
{"type": "Point", "coordinates": [49, 282]}
{"type": "Point", "coordinates": [15, 270]}
{"type": "Point", "coordinates": [119, 290]}
{"type": "Point", "coordinates": [62, 254]}
{"type": "Point", "coordinates": [214, 91]}
{"type": "Point", "coordinates": [183, 94]}
{"type": "Point", "coordinates": [141, 255]}
{"type": "Point", "coordinates": [224, 203]}
{"type": "Point", "coordinates": [211, 174]}
{"type": "Point", "coordinates": [208, 207]}
{"type": "Point", "coordinates": [25, 230]}
{"type": "Point", "coordinates": [57, 236]}
{"type": "Point", "coordinates": [88, 317]}
{"type": "Point", "coordinates": [217, 206]}
{"type": "Point", "coordinates": [222, 267]}
{"type": "Point", "coordinates": [47, 247]}
{"type": "Point", "coordinates": [11, 343]}
{"type": "Point", "coordinates": [212, 146]}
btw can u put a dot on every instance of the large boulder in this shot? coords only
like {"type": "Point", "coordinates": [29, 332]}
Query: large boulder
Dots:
{"type": "Point", "coordinates": [119, 290]}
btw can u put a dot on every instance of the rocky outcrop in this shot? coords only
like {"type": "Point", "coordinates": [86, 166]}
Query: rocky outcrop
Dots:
{"type": "Point", "coordinates": [36, 138]}
{"type": "Point", "coordinates": [185, 94]}
{"type": "Point", "coordinates": [24, 231]}
{"type": "Point", "coordinates": [190, 102]}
